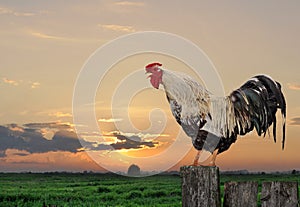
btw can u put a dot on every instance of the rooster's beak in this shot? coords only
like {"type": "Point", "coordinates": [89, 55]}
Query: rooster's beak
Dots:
{"type": "Point", "coordinates": [147, 72]}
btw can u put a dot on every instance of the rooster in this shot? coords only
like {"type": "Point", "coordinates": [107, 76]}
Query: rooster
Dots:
{"type": "Point", "coordinates": [213, 123]}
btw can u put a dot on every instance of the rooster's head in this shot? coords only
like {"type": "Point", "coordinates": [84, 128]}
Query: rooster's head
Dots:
{"type": "Point", "coordinates": [155, 74]}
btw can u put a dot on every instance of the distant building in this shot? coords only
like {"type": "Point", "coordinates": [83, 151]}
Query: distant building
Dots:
{"type": "Point", "coordinates": [134, 170]}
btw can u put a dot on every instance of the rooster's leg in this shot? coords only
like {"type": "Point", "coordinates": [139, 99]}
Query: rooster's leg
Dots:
{"type": "Point", "coordinates": [213, 159]}
{"type": "Point", "coordinates": [197, 158]}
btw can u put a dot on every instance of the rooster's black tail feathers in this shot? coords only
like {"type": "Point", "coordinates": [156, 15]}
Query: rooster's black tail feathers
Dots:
{"type": "Point", "coordinates": [255, 105]}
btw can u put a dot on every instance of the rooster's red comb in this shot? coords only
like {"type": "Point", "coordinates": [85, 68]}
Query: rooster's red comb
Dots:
{"type": "Point", "coordinates": [153, 64]}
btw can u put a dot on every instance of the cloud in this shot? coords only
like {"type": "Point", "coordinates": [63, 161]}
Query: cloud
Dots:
{"type": "Point", "coordinates": [48, 130]}
{"type": "Point", "coordinates": [22, 113]}
{"type": "Point", "coordinates": [146, 135]}
{"type": "Point", "coordinates": [11, 82]}
{"type": "Point", "coordinates": [100, 147]}
{"type": "Point", "coordinates": [51, 125]}
{"type": "Point", "coordinates": [35, 85]}
{"type": "Point", "coordinates": [2, 153]}
{"type": "Point", "coordinates": [118, 28]}
{"type": "Point", "coordinates": [7, 11]}
{"type": "Point", "coordinates": [49, 161]}
{"type": "Point", "coordinates": [60, 114]}
{"type": "Point", "coordinates": [42, 35]}
{"type": "Point", "coordinates": [116, 140]}
{"type": "Point", "coordinates": [59, 137]}
{"type": "Point", "coordinates": [46, 36]}
{"type": "Point", "coordinates": [295, 121]}
{"type": "Point", "coordinates": [133, 142]}
{"type": "Point", "coordinates": [110, 120]}
{"type": "Point", "coordinates": [15, 128]}
{"type": "Point", "coordinates": [19, 152]}
{"type": "Point", "coordinates": [143, 136]}
{"type": "Point", "coordinates": [47, 133]}
{"type": "Point", "coordinates": [32, 141]}
{"type": "Point", "coordinates": [129, 3]}
{"type": "Point", "coordinates": [293, 86]}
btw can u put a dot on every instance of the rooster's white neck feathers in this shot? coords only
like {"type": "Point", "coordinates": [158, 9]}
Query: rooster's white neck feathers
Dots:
{"type": "Point", "coordinates": [196, 100]}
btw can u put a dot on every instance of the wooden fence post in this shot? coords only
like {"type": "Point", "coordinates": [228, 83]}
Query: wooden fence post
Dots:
{"type": "Point", "coordinates": [238, 194]}
{"type": "Point", "coordinates": [200, 186]}
{"type": "Point", "coordinates": [279, 194]}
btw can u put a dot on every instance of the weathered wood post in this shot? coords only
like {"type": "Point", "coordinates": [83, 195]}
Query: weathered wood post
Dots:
{"type": "Point", "coordinates": [200, 186]}
{"type": "Point", "coordinates": [238, 194]}
{"type": "Point", "coordinates": [279, 194]}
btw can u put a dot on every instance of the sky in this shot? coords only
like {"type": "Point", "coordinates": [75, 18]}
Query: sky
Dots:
{"type": "Point", "coordinates": [45, 44]}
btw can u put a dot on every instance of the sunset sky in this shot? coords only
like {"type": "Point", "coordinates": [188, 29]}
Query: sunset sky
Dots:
{"type": "Point", "coordinates": [45, 44]}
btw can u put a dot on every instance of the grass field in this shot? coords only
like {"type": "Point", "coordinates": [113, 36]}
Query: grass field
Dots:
{"type": "Point", "coordinates": [58, 189]}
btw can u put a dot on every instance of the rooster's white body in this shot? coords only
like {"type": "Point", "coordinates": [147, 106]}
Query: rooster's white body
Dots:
{"type": "Point", "coordinates": [213, 123]}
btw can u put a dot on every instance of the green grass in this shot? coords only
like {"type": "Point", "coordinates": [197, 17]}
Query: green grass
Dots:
{"type": "Point", "coordinates": [88, 190]}
{"type": "Point", "coordinates": [102, 189]}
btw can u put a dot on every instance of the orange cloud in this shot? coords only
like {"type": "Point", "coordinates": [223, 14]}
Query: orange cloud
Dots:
{"type": "Point", "coordinates": [129, 3]}
{"type": "Point", "coordinates": [294, 121]}
{"type": "Point", "coordinates": [45, 36]}
{"type": "Point", "coordinates": [118, 28]}
{"type": "Point", "coordinates": [110, 120]}
{"type": "Point", "coordinates": [293, 86]}
{"type": "Point", "coordinates": [50, 161]}
{"type": "Point", "coordinates": [11, 82]}
{"type": "Point", "coordinates": [15, 127]}
{"type": "Point", "coordinates": [35, 85]}
{"type": "Point", "coordinates": [32, 84]}
{"type": "Point", "coordinates": [42, 35]}
{"type": "Point", "coordinates": [4, 10]}
{"type": "Point", "coordinates": [60, 114]}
